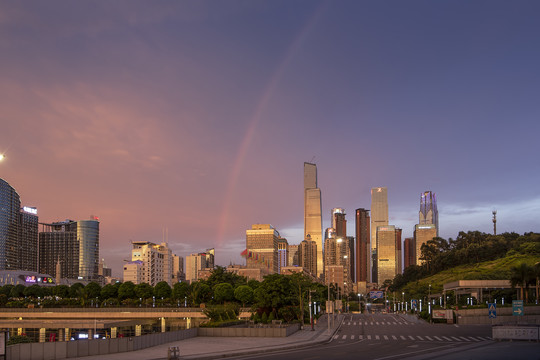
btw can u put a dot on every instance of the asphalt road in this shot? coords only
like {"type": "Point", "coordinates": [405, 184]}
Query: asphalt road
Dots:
{"type": "Point", "coordinates": [391, 336]}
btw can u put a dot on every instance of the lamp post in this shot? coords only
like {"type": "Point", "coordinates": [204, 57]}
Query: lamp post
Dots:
{"type": "Point", "coordinates": [359, 308]}
{"type": "Point", "coordinates": [429, 300]}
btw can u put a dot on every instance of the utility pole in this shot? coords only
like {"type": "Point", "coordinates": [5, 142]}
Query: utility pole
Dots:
{"type": "Point", "coordinates": [494, 222]}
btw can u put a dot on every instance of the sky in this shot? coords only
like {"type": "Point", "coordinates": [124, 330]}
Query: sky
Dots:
{"type": "Point", "coordinates": [197, 116]}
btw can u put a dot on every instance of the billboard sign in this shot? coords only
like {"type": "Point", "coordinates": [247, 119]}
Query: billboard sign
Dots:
{"type": "Point", "coordinates": [376, 294]}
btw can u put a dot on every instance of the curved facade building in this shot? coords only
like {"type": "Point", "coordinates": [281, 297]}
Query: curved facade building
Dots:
{"type": "Point", "coordinates": [10, 205]}
{"type": "Point", "coordinates": [88, 239]}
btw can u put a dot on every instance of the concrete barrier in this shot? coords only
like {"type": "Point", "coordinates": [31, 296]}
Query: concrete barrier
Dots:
{"type": "Point", "coordinates": [282, 331]}
{"type": "Point", "coordinates": [79, 348]}
{"type": "Point", "coordinates": [516, 332]}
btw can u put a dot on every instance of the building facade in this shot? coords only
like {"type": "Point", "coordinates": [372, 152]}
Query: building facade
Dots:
{"type": "Point", "coordinates": [379, 217]}
{"type": "Point", "coordinates": [337, 257]}
{"type": "Point", "coordinates": [282, 253]}
{"type": "Point", "coordinates": [422, 234]}
{"type": "Point", "coordinates": [307, 256]}
{"type": "Point", "coordinates": [428, 213]}
{"type": "Point", "coordinates": [18, 232]}
{"type": "Point", "coordinates": [313, 213]}
{"type": "Point", "coordinates": [363, 247]}
{"type": "Point", "coordinates": [292, 256]}
{"type": "Point", "coordinates": [74, 245]}
{"type": "Point", "coordinates": [387, 255]}
{"type": "Point", "coordinates": [262, 244]}
{"type": "Point", "coordinates": [157, 262]}
{"type": "Point", "coordinates": [408, 253]}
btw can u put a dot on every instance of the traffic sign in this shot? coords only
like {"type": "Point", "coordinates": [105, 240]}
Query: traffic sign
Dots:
{"type": "Point", "coordinates": [492, 310]}
{"type": "Point", "coordinates": [376, 294]}
{"type": "Point", "coordinates": [414, 303]}
{"type": "Point", "coordinates": [517, 307]}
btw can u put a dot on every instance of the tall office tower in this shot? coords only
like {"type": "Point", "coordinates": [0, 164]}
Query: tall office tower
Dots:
{"type": "Point", "coordinates": [282, 253]}
{"type": "Point", "coordinates": [337, 257]}
{"type": "Point", "coordinates": [352, 253]}
{"type": "Point", "coordinates": [428, 213]}
{"type": "Point", "coordinates": [18, 232]}
{"type": "Point", "coordinates": [313, 212]}
{"type": "Point", "coordinates": [75, 244]}
{"type": "Point", "coordinates": [422, 234]}
{"type": "Point", "coordinates": [329, 232]}
{"type": "Point", "coordinates": [338, 221]}
{"type": "Point", "coordinates": [262, 243]}
{"type": "Point", "coordinates": [399, 263]}
{"type": "Point", "coordinates": [104, 271]}
{"type": "Point", "coordinates": [178, 269]}
{"type": "Point", "coordinates": [27, 245]}
{"type": "Point", "coordinates": [408, 253]}
{"type": "Point", "coordinates": [379, 217]}
{"type": "Point", "coordinates": [292, 255]}
{"type": "Point", "coordinates": [363, 252]}
{"type": "Point", "coordinates": [307, 256]}
{"type": "Point", "coordinates": [194, 263]}
{"type": "Point", "coordinates": [386, 254]}
{"type": "Point", "coordinates": [157, 262]}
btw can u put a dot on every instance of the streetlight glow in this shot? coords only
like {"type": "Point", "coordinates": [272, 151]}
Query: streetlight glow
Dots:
{"type": "Point", "coordinates": [2, 156]}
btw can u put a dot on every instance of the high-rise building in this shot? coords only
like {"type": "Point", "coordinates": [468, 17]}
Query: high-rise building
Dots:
{"type": "Point", "coordinates": [313, 212]}
{"type": "Point", "coordinates": [18, 232]}
{"type": "Point", "coordinates": [408, 253]}
{"type": "Point", "coordinates": [210, 255]}
{"type": "Point", "coordinates": [339, 224]}
{"type": "Point", "coordinates": [379, 217]}
{"type": "Point", "coordinates": [194, 263]}
{"type": "Point", "coordinates": [363, 247]}
{"type": "Point", "coordinates": [422, 234]}
{"type": "Point", "coordinates": [262, 244]}
{"type": "Point", "coordinates": [178, 269]}
{"type": "Point", "coordinates": [428, 213]}
{"type": "Point", "coordinates": [282, 253]}
{"type": "Point", "coordinates": [292, 255]}
{"type": "Point", "coordinates": [157, 262]}
{"type": "Point", "coordinates": [307, 256]}
{"type": "Point", "coordinates": [75, 244]}
{"type": "Point", "coordinates": [399, 262]}
{"type": "Point", "coordinates": [338, 253]}
{"type": "Point", "coordinates": [387, 255]}
{"type": "Point", "coordinates": [352, 256]}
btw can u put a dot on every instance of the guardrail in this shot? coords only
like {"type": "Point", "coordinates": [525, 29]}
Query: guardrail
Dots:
{"type": "Point", "coordinates": [516, 332]}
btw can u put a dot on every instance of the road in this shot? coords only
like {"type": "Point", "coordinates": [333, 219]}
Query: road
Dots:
{"type": "Point", "coordinates": [391, 336]}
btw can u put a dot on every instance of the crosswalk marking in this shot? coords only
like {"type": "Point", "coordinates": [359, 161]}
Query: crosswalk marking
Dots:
{"type": "Point", "coordinates": [344, 337]}
{"type": "Point", "coordinates": [352, 337]}
{"type": "Point", "coordinates": [419, 337]}
{"type": "Point", "coordinates": [369, 337]}
{"type": "Point", "coordinates": [447, 339]}
{"type": "Point", "coordinates": [438, 338]}
{"type": "Point", "coordinates": [410, 337]}
{"type": "Point", "coordinates": [430, 339]}
{"type": "Point", "coordinates": [395, 323]}
{"type": "Point", "coordinates": [361, 337]}
{"type": "Point", "coordinates": [377, 337]}
{"type": "Point", "coordinates": [377, 323]}
{"type": "Point", "coordinates": [464, 338]}
{"type": "Point", "coordinates": [336, 336]}
{"type": "Point", "coordinates": [354, 323]}
{"type": "Point", "coordinates": [372, 323]}
{"type": "Point", "coordinates": [455, 338]}
{"type": "Point", "coordinates": [394, 337]}
{"type": "Point", "coordinates": [402, 337]}
{"type": "Point", "coordinates": [385, 337]}
{"type": "Point", "coordinates": [414, 338]}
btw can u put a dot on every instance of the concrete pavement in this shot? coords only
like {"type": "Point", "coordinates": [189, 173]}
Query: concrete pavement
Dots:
{"type": "Point", "coordinates": [202, 347]}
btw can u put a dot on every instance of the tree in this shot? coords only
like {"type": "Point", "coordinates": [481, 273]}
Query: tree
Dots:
{"type": "Point", "coordinates": [522, 276]}
{"type": "Point", "coordinates": [109, 291]}
{"type": "Point", "coordinates": [537, 276]}
{"type": "Point", "coordinates": [144, 290]}
{"type": "Point", "coordinates": [199, 293]}
{"type": "Point", "coordinates": [6, 289]}
{"type": "Point", "coordinates": [180, 290]}
{"type": "Point", "coordinates": [61, 291]}
{"type": "Point", "coordinates": [17, 291]}
{"type": "Point", "coordinates": [220, 275]}
{"type": "Point", "coordinates": [244, 294]}
{"type": "Point", "coordinates": [33, 291]}
{"type": "Point", "coordinates": [162, 290]}
{"type": "Point", "coordinates": [126, 290]}
{"type": "Point", "coordinates": [93, 290]}
{"type": "Point", "coordinates": [74, 289]}
{"type": "Point", "coordinates": [223, 292]}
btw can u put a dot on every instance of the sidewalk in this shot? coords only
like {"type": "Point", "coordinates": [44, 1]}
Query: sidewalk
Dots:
{"type": "Point", "coordinates": [203, 347]}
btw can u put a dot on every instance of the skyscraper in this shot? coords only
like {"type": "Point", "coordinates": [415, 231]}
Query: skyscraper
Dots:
{"type": "Point", "coordinates": [422, 234]}
{"type": "Point", "coordinates": [282, 253]}
{"type": "Point", "coordinates": [156, 263]}
{"type": "Point", "coordinates": [363, 247]}
{"type": "Point", "coordinates": [75, 244]}
{"type": "Point", "coordinates": [428, 213]}
{"type": "Point", "coordinates": [18, 232]}
{"type": "Point", "coordinates": [313, 212]}
{"type": "Point", "coordinates": [408, 253]}
{"type": "Point", "coordinates": [387, 254]}
{"type": "Point", "coordinates": [262, 244]}
{"type": "Point", "coordinates": [307, 255]}
{"type": "Point", "coordinates": [379, 217]}
{"type": "Point", "coordinates": [337, 257]}
{"type": "Point", "coordinates": [338, 221]}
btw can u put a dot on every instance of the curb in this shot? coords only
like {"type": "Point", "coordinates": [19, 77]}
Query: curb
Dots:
{"type": "Point", "coordinates": [299, 345]}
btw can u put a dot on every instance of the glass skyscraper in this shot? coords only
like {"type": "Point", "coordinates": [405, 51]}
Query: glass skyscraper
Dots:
{"type": "Point", "coordinates": [428, 213]}
{"type": "Point", "coordinates": [313, 213]}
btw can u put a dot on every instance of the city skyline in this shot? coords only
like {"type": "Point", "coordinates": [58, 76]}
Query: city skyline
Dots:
{"type": "Point", "coordinates": [197, 116]}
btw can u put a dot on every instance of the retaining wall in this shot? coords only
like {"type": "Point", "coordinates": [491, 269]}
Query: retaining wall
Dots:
{"type": "Point", "coordinates": [250, 332]}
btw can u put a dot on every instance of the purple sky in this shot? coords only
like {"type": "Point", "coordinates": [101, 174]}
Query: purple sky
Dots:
{"type": "Point", "coordinates": [197, 116]}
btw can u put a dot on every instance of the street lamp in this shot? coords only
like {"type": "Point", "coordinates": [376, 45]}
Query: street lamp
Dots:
{"type": "Point", "coordinates": [402, 300]}
{"type": "Point", "coordinates": [2, 157]}
{"type": "Point", "coordinates": [359, 308]}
